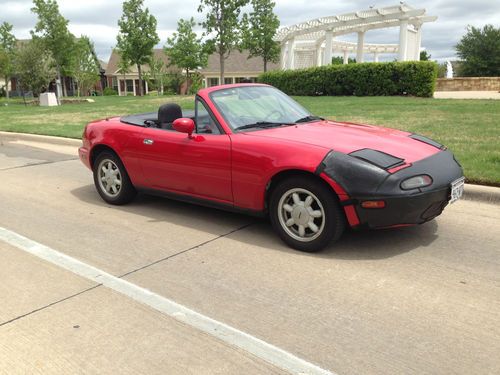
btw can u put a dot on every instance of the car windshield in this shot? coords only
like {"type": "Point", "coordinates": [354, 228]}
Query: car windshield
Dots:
{"type": "Point", "coordinates": [249, 107]}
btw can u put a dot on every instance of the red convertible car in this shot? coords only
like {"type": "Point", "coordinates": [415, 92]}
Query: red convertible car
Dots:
{"type": "Point", "coordinates": [251, 148]}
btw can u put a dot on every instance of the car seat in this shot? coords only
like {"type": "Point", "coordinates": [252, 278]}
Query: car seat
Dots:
{"type": "Point", "coordinates": [167, 114]}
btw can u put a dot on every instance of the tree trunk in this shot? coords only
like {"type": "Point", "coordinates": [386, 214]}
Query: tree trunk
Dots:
{"type": "Point", "coordinates": [124, 85]}
{"type": "Point", "coordinates": [265, 65]}
{"type": "Point", "coordinates": [222, 61]}
{"type": "Point", "coordinates": [7, 81]}
{"type": "Point", "coordinates": [140, 79]}
{"type": "Point", "coordinates": [187, 81]}
{"type": "Point", "coordinates": [58, 85]}
{"type": "Point", "coordinates": [65, 89]}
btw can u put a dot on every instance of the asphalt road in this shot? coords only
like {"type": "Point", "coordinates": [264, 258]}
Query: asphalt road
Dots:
{"type": "Point", "coordinates": [422, 300]}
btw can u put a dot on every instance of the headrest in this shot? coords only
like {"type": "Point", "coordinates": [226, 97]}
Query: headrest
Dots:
{"type": "Point", "coordinates": [168, 113]}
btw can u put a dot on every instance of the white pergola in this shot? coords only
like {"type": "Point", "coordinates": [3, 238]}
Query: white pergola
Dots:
{"type": "Point", "coordinates": [313, 43]}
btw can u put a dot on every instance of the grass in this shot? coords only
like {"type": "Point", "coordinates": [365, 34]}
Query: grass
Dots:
{"type": "Point", "coordinates": [470, 128]}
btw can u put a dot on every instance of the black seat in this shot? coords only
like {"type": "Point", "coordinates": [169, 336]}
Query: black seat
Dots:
{"type": "Point", "coordinates": [167, 114]}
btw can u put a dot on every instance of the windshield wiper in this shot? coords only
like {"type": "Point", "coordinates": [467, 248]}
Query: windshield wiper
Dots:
{"type": "Point", "coordinates": [308, 119]}
{"type": "Point", "coordinates": [264, 124]}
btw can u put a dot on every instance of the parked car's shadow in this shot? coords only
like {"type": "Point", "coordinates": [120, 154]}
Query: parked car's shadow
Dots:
{"type": "Point", "coordinates": [354, 244]}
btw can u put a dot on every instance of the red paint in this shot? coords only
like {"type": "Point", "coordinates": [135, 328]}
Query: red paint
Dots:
{"type": "Point", "coordinates": [236, 168]}
{"type": "Point", "coordinates": [184, 125]}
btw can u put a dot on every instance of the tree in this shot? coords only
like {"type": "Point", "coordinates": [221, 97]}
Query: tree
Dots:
{"type": "Point", "coordinates": [223, 24]}
{"type": "Point", "coordinates": [52, 29]}
{"type": "Point", "coordinates": [123, 69]}
{"type": "Point", "coordinates": [480, 50]}
{"type": "Point", "coordinates": [156, 74]}
{"type": "Point", "coordinates": [34, 67]}
{"type": "Point", "coordinates": [137, 35]}
{"type": "Point", "coordinates": [7, 46]}
{"type": "Point", "coordinates": [86, 66]}
{"type": "Point", "coordinates": [185, 49]}
{"type": "Point", "coordinates": [337, 60]}
{"type": "Point", "coordinates": [425, 56]}
{"type": "Point", "coordinates": [259, 29]}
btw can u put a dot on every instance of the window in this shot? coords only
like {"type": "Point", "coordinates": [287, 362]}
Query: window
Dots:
{"type": "Point", "coordinates": [204, 121]}
{"type": "Point", "coordinates": [130, 85]}
{"type": "Point", "coordinates": [115, 84]}
{"type": "Point", "coordinates": [213, 82]}
{"type": "Point", "coordinates": [247, 105]}
{"type": "Point", "coordinates": [228, 80]}
{"type": "Point", "coordinates": [245, 80]}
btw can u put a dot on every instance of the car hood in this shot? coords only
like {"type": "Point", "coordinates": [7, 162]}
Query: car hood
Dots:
{"type": "Point", "coordinates": [347, 137]}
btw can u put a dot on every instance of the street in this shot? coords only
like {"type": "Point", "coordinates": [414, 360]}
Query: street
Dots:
{"type": "Point", "coordinates": [420, 300]}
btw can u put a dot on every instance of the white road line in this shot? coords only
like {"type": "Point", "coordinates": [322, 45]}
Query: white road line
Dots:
{"type": "Point", "coordinates": [261, 349]}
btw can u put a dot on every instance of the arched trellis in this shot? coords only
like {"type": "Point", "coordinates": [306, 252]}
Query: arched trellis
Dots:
{"type": "Point", "coordinates": [313, 43]}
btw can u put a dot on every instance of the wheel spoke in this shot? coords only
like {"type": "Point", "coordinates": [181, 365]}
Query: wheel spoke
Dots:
{"type": "Point", "coordinates": [302, 231]}
{"type": "Point", "coordinates": [313, 227]}
{"type": "Point", "coordinates": [308, 201]}
{"type": "Point", "coordinates": [316, 213]}
{"type": "Point", "coordinates": [109, 166]}
{"type": "Point", "coordinates": [287, 208]}
{"type": "Point", "coordinates": [290, 222]}
{"type": "Point", "coordinates": [104, 169]}
{"type": "Point", "coordinates": [296, 198]}
{"type": "Point", "coordinates": [113, 189]}
{"type": "Point", "coordinates": [118, 182]}
{"type": "Point", "coordinates": [108, 188]}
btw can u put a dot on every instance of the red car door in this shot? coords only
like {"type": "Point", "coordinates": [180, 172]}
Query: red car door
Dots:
{"type": "Point", "coordinates": [198, 166]}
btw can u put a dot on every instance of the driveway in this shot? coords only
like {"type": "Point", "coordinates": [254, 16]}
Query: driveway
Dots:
{"type": "Point", "coordinates": [422, 300]}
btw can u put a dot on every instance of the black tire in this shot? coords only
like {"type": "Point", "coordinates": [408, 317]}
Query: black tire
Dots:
{"type": "Point", "coordinates": [330, 227]}
{"type": "Point", "coordinates": [125, 191]}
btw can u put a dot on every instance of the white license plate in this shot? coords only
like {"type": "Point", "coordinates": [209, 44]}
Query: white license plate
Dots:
{"type": "Point", "coordinates": [457, 189]}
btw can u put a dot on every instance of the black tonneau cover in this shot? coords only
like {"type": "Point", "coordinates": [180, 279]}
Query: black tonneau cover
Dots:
{"type": "Point", "coordinates": [141, 118]}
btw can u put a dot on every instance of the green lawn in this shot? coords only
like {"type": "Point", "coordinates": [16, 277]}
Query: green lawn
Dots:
{"type": "Point", "coordinates": [470, 128]}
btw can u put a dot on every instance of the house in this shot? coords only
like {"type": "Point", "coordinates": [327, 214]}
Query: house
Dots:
{"type": "Point", "coordinates": [237, 68]}
{"type": "Point", "coordinates": [128, 83]}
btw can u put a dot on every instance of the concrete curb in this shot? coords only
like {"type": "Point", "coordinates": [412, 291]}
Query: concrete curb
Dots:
{"type": "Point", "coordinates": [486, 194]}
{"type": "Point", "coordinates": [8, 136]}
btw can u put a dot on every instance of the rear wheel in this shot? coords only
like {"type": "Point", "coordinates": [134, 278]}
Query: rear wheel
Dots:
{"type": "Point", "coordinates": [306, 214]}
{"type": "Point", "coordinates": [111, 179]}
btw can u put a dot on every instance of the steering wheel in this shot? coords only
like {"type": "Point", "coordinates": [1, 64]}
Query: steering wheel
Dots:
{"type": "Point", "coordinates": [272, 115]}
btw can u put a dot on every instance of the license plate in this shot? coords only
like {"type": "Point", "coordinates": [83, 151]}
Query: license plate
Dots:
{"type": "Point", "coordinates": [457, 189]}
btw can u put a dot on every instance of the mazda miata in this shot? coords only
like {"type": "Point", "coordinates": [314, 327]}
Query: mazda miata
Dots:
{"type": "Point", "coordinates": [250, 148]}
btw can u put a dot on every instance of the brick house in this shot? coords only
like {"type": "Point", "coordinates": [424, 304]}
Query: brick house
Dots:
{"type": "Point", "coordinates": [238, 67]}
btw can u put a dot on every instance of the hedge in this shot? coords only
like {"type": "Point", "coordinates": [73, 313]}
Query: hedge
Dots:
{"type": "Point", "coordinates": [416, 78]}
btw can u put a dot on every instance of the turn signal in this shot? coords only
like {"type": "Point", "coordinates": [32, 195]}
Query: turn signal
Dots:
{"type": "Point", "coordinates": [373, 204]}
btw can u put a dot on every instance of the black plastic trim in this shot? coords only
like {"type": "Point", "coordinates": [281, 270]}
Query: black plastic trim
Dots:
{"type": "Point", "coordinates": [378, 158]}
{"type": "Point", "coordinates": [429, 141]}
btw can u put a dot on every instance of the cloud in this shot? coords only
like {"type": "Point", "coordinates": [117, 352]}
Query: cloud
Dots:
{"type": "Point", "coordinates": [98, 18]}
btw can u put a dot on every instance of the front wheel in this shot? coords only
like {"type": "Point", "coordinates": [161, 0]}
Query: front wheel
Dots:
{"type": "Point", "coordinates": [306, 214]}
{"type": "Point", "coordinates": [111, 179]}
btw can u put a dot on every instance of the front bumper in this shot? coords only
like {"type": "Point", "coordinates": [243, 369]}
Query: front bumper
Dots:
{"type": "Point", "coordinates": [363, 181]}
{"type": "Point", "coordinates": [403, 210]}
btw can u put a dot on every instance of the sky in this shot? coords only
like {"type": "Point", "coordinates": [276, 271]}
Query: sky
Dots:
{"type": "Point", "coordinates": [98, 19]}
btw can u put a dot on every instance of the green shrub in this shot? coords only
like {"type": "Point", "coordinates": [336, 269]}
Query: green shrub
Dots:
{"type": "Point", "coordinates": [416, 78]}
{"type": "Point", "coordinates": [108, 91]}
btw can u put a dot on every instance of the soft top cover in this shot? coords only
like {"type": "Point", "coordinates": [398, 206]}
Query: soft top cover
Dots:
{"type": "Point", "coordinates": [141, 118]}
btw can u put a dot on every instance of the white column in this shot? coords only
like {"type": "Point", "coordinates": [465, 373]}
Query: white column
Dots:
{"type": "Point", "coordinates": [147, 88]}
{"type": "Point", "coordinates": [361, 47]}
{"type": "Point", "coordinates": [283, 55]}
{"type": "Point", "coordinates": [418, 43]}
{"type": "Point", "coordinates": [119, 87]}
{"type": "Point", "coordinates": [375, 56]}
{"type": "Point", "coordinates": [319, 59]}
{"type": "Point", "coordinates": [327, 57]}
{"type": "Point", "coordinates": [134, 86]}
{"type": "Point", "coordinates": [403, 40]}
{"type": "Point", "coordinates": [291, 52]}
{"type": "Point", "coordinates": [346, 57]}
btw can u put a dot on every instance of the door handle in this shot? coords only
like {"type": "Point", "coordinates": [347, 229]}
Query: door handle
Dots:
{"type": "Point", "coordinates": [148, 141]}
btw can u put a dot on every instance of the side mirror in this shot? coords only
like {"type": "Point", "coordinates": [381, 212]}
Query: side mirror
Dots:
{"type": "Point", "coordinates": [184, 125]}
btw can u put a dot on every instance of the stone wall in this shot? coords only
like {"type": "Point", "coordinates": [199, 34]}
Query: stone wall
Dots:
{"type": "Point", "coordinates": [468, 84]}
